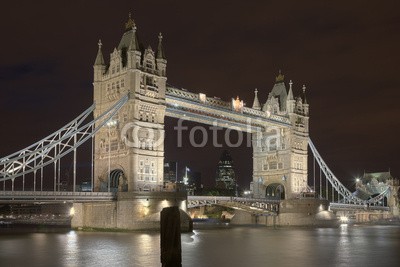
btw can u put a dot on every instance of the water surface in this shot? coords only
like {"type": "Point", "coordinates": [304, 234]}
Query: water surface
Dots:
{"type": "Point", "coordinates": [239, 246]}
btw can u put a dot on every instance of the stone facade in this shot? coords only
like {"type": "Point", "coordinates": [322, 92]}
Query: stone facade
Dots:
{"type": "Point", "coordinates": [129, 147]}
{"type": "Point", "coordinates": [131, 211]}
{"type": "Point", "coordinates": [129, 152]}
{"type": "Point", "coordinates": [280, 152]}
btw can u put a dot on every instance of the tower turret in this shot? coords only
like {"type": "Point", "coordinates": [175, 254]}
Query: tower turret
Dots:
{"type": "Point", "coordinates": [256, 102]}
{"type": "Point", "coordinates": [290, 102]}
{"type": "Point", "coordinates": [305, 103]}
{"type": "Point", "coordinates": [134, 53]}
{"type": "Point", "coordinates": [161, 61]}
{"type": "Point", "coordinates": [99, 65]}
{"type": "Point", "coordinates": [99, 68]}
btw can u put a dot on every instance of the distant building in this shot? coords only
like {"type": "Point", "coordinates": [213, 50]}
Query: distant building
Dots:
{"type": "Point", "coordinates": [372, 184]}
{"type": "Point", "coordinates": [196, 180]}
{"type": "Point", "coordinates": [225, 175]}
{"type": "Point", "coordinates": [170, 171]}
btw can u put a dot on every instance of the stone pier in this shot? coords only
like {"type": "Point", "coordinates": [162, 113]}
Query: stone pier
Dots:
{"type": "Point", "coordinates": [131, 211]}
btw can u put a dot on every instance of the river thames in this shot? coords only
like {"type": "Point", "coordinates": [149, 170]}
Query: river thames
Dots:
{"type": "Point", "coordinates": [227, 246]}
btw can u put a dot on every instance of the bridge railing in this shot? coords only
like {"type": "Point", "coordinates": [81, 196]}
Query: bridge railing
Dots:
{"type": "Point", "coordinates": [340, 206]}
{"type": "Point", "coordinates": [7, 196]}
{"type": "Point", "coordinates": [260, 204]}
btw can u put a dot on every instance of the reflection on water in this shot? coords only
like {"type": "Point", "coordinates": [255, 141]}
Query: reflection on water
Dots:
{"type": "Point", "coordinates": [239, 246]}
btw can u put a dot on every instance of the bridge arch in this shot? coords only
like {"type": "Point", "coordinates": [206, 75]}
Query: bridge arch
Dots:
{"type": "Point", "coordinates": [275, 191]}
{"type": "Point", "coordinates": [117, 179]}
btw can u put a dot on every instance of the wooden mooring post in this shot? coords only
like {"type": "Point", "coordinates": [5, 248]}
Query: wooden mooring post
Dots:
{"type": "Point", "coordinates": [170, 237]}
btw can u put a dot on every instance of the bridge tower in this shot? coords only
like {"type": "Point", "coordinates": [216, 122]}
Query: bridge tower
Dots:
{"type": "Point", "coordinates": [129, 152]}
{"type": "Point", "coordinates": [280, 152]}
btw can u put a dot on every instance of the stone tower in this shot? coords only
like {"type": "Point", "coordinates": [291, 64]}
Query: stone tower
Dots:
{"type": "Point", "coordinates": [280, 153]}
{"type": "Point", "coordinates": [129, 151]}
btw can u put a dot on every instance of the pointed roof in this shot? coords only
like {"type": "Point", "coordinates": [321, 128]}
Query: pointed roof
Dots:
{"type": "Point", "coordinates": [99, 58]}
{"type": "Point", "coordinates": [160, 50]}
{"type": "Point", "coordinates": [129, 39]}
{"type": "Point", "coordinates": [290, 94]}
{"type": "Point", "coordinates": [279, 91]}
{"type": "Point", "coordinates": [304, 94]}
{"type": "Point", "coordinates": [130, 23]}
{"type": "Point", "coordinates": [280, 78]}
{"type": "Point", "coordinates": [256, 102]}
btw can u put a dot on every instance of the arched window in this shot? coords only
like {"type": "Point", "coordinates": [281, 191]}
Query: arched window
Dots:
{"type": "Point", "coordinates": [272, 144]}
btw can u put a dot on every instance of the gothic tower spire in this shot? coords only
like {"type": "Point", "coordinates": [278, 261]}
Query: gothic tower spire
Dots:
{"type": "Point", "coordinates": [160, 49]}
{"type": "Point", "coordinates": [304, 94]}
{"type": "Point", "coordinates": [290, 94]}
{"type": "Point", "coordinates": [130, 23]}
{"type": "Point", "coordinates": [99, 58]}
{"type": "Point", "coordinates": [161, 61]}
{"type": "Point", "coordinates": [256, 102]}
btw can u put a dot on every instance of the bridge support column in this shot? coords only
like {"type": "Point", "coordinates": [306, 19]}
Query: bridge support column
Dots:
{"type": "Point", "coordinates": [393, 199]}
{"type": "Point", "coordinates": [131, 211]}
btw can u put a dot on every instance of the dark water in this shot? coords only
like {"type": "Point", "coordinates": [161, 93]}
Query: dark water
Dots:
{"type": "Point", "coordinates": [242, 246]}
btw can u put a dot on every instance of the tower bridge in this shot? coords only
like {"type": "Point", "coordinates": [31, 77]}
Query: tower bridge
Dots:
{"type": "Point", "coordinates": [131, 99]}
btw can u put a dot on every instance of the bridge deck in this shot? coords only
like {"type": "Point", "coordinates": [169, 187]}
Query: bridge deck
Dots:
{"type": "Point", "coordinates": [51, 196]}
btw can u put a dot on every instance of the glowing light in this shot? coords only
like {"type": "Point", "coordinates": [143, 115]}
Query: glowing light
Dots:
{"type": "Point", "coordinates": [146, 203]}
{"type": "Point", "coordinates": [357, 180]}
{"type": "Point", "coordinates": [164, 203]}
{"type": "Point", "coordinates": [71, 211]}
{"type": "Point", "coordinates": [145, 211]}
{"type": "Point", "coordinates": [202, 97]}
{"type": "Point", "coordinates": [344, 219]}
{"type": "Point", "coordinates": [112, 123]}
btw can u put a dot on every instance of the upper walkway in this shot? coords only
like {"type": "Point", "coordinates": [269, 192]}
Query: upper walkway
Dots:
{"type": "Point", "coordinates": [214, 111]}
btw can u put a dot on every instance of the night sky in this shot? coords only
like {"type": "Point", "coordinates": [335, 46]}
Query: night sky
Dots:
{"type": "Point", "coordinates": [345, 52]}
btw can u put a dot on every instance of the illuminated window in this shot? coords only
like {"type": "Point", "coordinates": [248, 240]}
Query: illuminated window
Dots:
{"type": "Point", "coordinates": [273, 165]}
{"type": "Point", "coordinates": [272, 144]}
